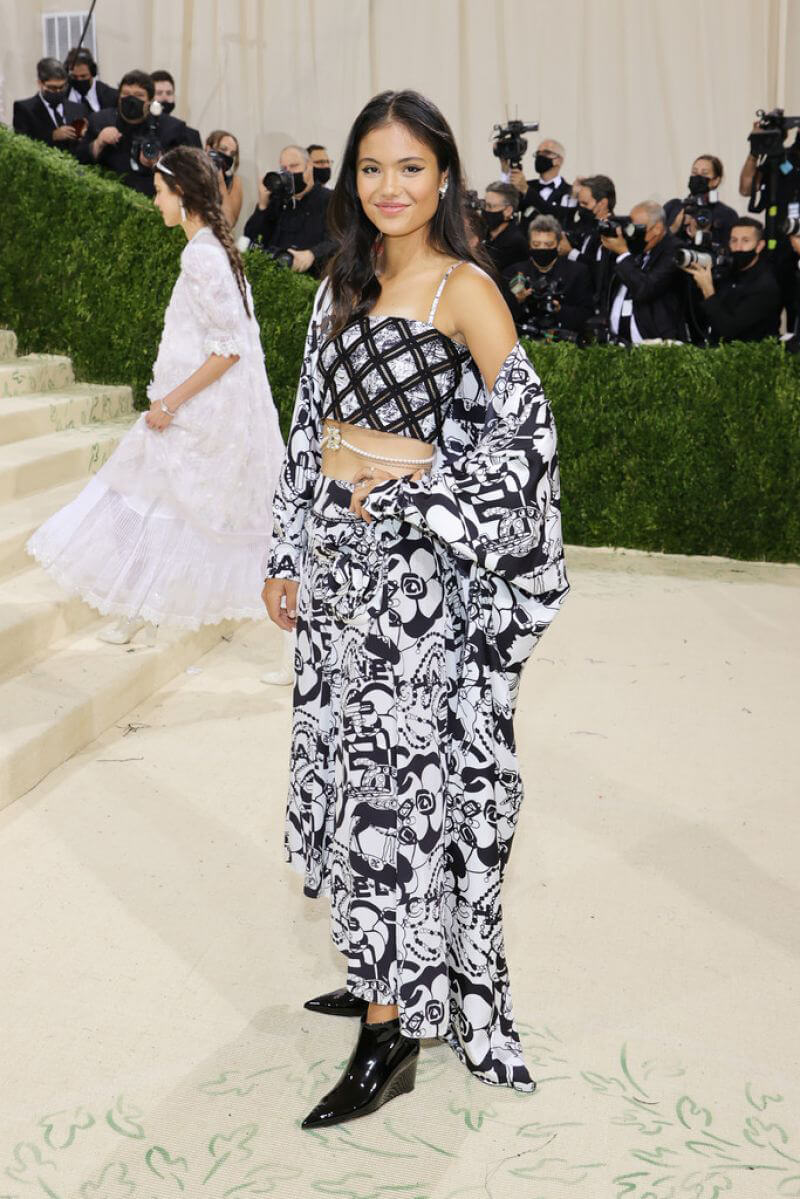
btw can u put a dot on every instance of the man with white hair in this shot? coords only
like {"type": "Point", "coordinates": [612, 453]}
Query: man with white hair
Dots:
{"type": "Point", "coordinates": [647, 295]}
{"type": "Point", "coordinates": [293, 220]}
{"type": "Point", "coordinates": [550, 194]}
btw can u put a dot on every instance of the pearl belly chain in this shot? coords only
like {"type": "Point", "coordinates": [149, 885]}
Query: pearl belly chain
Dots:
{"type": "Point", "coordinates": [334, 440]}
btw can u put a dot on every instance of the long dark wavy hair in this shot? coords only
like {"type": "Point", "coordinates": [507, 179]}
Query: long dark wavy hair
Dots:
{"type": "Point", "coordinates": [352, 270]}
{"type": "Point", "coordinates": [195, 180]}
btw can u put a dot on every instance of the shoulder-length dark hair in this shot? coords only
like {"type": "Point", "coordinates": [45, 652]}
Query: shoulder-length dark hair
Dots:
{"type": "Point", "coordinates": [351, 271]}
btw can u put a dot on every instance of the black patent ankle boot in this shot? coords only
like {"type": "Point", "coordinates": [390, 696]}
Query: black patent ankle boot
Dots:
{"type": "Point", "coordinates": [338, 1003]}
{"type": "Point", "coordinates": [382, 1066]}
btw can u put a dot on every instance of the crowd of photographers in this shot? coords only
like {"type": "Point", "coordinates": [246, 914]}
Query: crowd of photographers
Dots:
{"type": "Point", "coordinates": [570, 266]}
{"type": "Point", "coordinates": [691, 269]}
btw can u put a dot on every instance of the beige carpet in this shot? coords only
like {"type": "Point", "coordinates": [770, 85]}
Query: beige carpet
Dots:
{"type": "Point", "coordinates": [156, 951]}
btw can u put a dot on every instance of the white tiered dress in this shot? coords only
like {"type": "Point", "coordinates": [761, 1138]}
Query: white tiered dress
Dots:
{"type": "Point", "coordinates": [175, 527]}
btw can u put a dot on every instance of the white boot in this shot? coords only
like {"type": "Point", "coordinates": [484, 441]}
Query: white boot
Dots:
{"type": "Point", "coordinates": [284, 675]}
{"type": "Point", "coordinates": [124, 631]}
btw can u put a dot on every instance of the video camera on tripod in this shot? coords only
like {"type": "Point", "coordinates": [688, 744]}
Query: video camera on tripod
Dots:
{"type": "Point", "coordinates": [767, 141]}
{"type": "Point", "coordinates": [509, 144]}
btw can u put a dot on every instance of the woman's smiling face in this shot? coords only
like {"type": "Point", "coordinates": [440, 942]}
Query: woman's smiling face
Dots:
{"type": "Point", "coordinates": [398, 179]}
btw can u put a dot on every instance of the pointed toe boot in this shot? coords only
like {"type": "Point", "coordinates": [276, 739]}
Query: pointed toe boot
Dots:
{"type": "Point", "coordinates": [338, 1003]}
{"type": "Point", "coordinates": [382, 1066]}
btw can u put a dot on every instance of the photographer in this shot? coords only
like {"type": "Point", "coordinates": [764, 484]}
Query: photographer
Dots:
{"type": "Point", "coordinates": [546, 291]}
{"type": "Point", "coordinates": [165, 94]}
{"type": "Point", "coordinates": [647, 298]}
{"type": "Point", "coordinates": [596, 197]}
{"type": "Point", "coordinates": [223, 150]}
{"type": "Point", "coordinates": [504, 241]}
{"type": "Point", "coordinates": [772, 165]}
{"type": "Point", "coordinates": [86, 90]}
{"type": "Point", "coordinates": [549, 195]}
{"type": "Point", "coordinates": [702, 212]}
{"type": "Point", "coordinates": [129, 139]}
{"type": "Point", "coordinates": [293, 221]}
{"type": "Point", "coordinates": [49, 116]}
{"type": "Point", "coordinates": [745, 304]}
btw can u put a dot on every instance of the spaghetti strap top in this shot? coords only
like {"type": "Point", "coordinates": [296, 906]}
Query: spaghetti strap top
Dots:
{"type": "Point", "coordinates": [393, 374]}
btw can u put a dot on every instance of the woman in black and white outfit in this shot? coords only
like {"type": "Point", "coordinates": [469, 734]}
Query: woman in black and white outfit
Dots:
{"type": "Point", "coordinates": [417, 554]}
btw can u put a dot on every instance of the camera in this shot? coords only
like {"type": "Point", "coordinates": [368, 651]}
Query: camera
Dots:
{"type": "Point", "coordinates": [715, 257]}
{"type": "Point", "coordinates": [612, 226]}
{"type": "Point", "coordinates": [767, 140]}
{"type": "Point", "coordinates": [509, 143]}
{"type": "Point", "coordinates": [541, 308]}
{"type": "Point", "coordinates": [282, 257]}
{"type": "Point", "coordinates": [791, 226]}
{"type": "Point", "coordinates": [686, 258]}
{"type": "Point", "coordinates": [147, 142]}
{"type": "Point", "coordinates": [280, 185]}
{"type": "Point", "coordinates": [222, 161]}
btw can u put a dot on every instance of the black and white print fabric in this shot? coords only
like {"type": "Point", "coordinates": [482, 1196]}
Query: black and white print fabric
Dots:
{"type": "Point", "coordinates": [411, 637]}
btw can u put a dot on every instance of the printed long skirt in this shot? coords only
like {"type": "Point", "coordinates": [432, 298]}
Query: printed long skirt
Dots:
{"type": "Point", "coordinates": [404, 789]}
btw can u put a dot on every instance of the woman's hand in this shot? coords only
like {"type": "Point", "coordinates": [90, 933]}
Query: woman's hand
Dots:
{"type": "Point", "coordinates": [280, 600]}
{"type": "Point", "coordinates": [157, 419]}
{"type": "Point", "coordinates": [368, 478]}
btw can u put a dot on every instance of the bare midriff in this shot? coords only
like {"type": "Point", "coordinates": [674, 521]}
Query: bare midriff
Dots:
{"type": "Point", "coordinates": [376, 450]}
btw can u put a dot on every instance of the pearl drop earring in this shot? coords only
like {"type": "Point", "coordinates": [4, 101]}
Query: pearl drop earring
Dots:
{"type": "Point", "coordinates": [443, 189]}
{"type": "Point", "coordinates": [183, 215]}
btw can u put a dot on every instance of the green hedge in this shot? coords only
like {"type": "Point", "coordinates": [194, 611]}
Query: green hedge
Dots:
{"type": "Point", "coordinates": [667, 448]}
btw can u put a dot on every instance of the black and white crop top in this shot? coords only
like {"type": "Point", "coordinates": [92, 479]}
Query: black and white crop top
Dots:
{"type": "Point", "coordinates": [392, 374]}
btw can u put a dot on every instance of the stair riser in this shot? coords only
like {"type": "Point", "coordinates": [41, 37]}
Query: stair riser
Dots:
{"type": "Point", "coordinates": [20, 378]}
{"type": "Point", "coordinates": [64, 413]}
{"type": "Point", "coordinates": [73, 462]}
{"type": "Point", "coordinates": [38, 626]}
{"type": "Point", "coordinates": [75, 725]}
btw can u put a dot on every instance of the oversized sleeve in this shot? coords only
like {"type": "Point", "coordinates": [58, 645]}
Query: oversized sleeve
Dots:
{"type": "Point", "coordinates": [499, 504]}
{"type": "Point", "coordinates": [301, 460]}
{"type": "Point", "coordinates": [215, 299]}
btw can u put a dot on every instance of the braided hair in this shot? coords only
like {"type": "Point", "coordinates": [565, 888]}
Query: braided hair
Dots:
{"type": "Point", "coordinates": [194, 179]}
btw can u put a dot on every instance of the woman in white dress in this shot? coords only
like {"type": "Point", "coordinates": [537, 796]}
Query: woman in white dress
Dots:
{"type": "Point", "coordinates": [174, 529]}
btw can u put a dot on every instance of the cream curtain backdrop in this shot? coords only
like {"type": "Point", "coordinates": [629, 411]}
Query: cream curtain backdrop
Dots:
{"type": "Point", "coordinates": [633, 88]}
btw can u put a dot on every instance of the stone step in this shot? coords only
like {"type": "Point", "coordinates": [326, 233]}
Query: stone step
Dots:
{"type": "Point", "coordinates": [35, 373]}
{"type": "Point", "coordinates": [65, 699]}
{"type": "Point", "coordinates": [34, 611]}
{"type": "Point", "coordinates": [27, 416]}
{"type": "Point", "coordinates": [8, 345]}
{"type": "Point", "coordinates": [21, 518]}
{"type": "Point", "coordinates": [43, 462]}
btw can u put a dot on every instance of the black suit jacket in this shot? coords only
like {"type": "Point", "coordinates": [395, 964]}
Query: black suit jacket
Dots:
{"type": "Point", "coordinates": [577, 301]}
{"type": "Point", "coordinates": [509, 246]}
{"type": "Point", "coordinates": [600, 263]}
{"type": "Point", "coordinates": [746, 305]}
{"type": "Point", "coordinates": [171, 132]}
{"type": "Point", "coordinates": [32, 118]}
{"type": "Point", "coordinates": [106, 97]}
{"type": "Point", "coordinates": [656, 290]}
{"type": "Point", "coordinates": [303, 226]}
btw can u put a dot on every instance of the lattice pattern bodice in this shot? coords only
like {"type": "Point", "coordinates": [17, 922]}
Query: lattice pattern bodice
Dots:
{"type": "Point", "coordinates": [391, 374]}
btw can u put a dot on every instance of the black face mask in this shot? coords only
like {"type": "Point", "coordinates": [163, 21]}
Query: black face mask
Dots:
{"type": "Point", "coordinates": [635, 238]}
{"type": "Point", "coordinates": [322, 174]}
{"type": "Point", "coordinates": [543, 258]}
{"type": "Point", "coordinates": [299, 182]}
{"type": "Point", "coordinates": [699, 185]}
{"type": "Point", "coordinates": [542, 163]}
{"type": "Point", "coordinates": [493, 220]}
{"type": "Point", "coordinates": [583, 216]}
{"type": "Point", "coordinates": [167, 106]}
{"type": "Point", "coordinates": [82, 86]}
{"type": "Point", "coordinates": [55, 98]}
{"type": "Point", "coordinates": [131, 109]}
{"type": "Point", "coordinates": [742, 258]}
